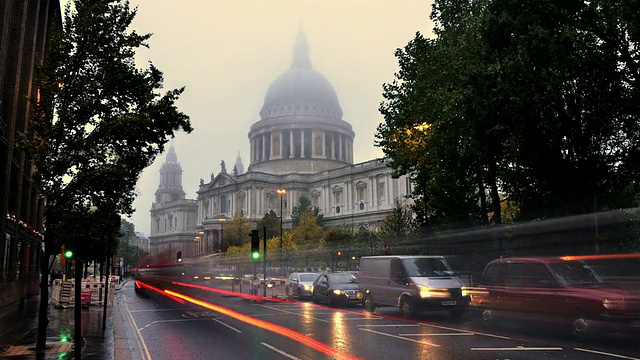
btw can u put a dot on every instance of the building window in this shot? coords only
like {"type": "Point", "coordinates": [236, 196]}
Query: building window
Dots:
{"type": "Point", "coordinates": [275, 145]}
{"type": "Point", "coordinates": [317, 148]}
{"type": "Point", "coordinates": [361, 205]}
{"type": "Point", "coordinates": [223, 204]}
{"type": "Point", "coordinates": [381, 191]}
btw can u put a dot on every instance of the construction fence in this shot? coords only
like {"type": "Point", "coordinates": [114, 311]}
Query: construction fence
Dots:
{"type": "Point", "coordinates": [92, 293]}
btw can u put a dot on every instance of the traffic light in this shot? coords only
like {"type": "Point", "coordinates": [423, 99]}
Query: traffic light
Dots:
{"type": "Point", "coordinates": [339, 253]}
{"type": "Point", "coordinates": [68, 254]}
{"type": "Point", "coordinates": [179, 256]}
{"type": "Point", "coordinates": [255, 244]}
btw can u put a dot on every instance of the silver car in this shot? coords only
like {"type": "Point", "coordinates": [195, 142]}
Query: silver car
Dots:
{"type": "Point", "coordinates": [300, 284]}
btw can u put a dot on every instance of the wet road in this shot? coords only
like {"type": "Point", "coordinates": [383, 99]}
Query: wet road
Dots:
{"type": "Point", "coordinates": [238, 329]}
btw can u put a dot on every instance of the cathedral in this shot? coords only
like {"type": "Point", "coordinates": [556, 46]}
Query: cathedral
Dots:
{"type": "Point", "coordinates": [301, 146]}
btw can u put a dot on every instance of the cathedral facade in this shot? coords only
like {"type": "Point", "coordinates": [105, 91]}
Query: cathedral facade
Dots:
{"type": "Point", "coordinates": [301, 146]}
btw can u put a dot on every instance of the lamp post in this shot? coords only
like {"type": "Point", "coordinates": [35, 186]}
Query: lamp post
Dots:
{"type": "Point", "coordinates": [222, 220]}
{"type": "Point", "coordinates": [281, 192]}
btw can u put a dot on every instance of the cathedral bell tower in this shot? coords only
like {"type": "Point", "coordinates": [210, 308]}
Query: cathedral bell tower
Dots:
{"type": "Point", "coordinates": [170, 188]}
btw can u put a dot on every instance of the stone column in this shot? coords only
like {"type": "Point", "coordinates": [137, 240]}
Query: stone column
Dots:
{"type": "Point", "coordinates": [281, 144]}
{"type": "Point", "coordinates": [302, 154]}
{"type": "Point", "coordinates": [333, 146]}
{"type": "Point", "coordinates": [265, 156]}
{"type": "Point", "coordinates": [291, 144]}
{"type": "Point", "coordinates": [324, 144]}
{"type": "Point", "coordinates": [340, 154]}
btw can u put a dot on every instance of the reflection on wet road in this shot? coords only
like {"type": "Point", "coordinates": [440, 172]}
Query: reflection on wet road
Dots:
{"type": "Point", "coordinates": [209, 325]}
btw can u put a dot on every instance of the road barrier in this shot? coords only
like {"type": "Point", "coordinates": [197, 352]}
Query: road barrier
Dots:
{"type": "Point", "coordinates": [63, 293]}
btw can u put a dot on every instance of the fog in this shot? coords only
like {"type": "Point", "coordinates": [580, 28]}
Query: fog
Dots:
{"type": "Point", "coordinates": [227, 53]}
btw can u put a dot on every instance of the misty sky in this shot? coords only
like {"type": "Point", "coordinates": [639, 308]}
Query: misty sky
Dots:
{"type": "Point", "coordinates": [227, 53]}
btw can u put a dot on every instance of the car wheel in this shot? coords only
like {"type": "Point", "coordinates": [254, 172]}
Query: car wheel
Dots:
{"type": "Point", "coordinates": [330, 302]}
{"type": "Point", "coordinates": [409, 308]}
{"type": "Point", "coordinates": [580, 327]}
{"type": "Point", "coordinates": [138, 291]}
{"type": "Point", "coordinates": [487, 317]}
{"type": "Point", "coordinates": [314, 298]}
{"type": "Point", "coordinates": [368, 305]}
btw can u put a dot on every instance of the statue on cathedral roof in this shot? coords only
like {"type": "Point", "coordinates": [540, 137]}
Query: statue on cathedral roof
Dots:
{"type": "Point", "coordinates": [223, 167]}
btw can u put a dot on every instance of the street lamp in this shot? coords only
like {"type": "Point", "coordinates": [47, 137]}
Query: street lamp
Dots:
{"type": "Point", "coordinates": [281, 192]}
{"type": "Point", "coordinates": [222, 220]}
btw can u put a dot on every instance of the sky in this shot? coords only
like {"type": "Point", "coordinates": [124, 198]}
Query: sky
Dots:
{"type": "Point", "coordinates": [227, 53]}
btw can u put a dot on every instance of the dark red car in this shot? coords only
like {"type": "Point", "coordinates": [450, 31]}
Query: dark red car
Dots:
{"type": "Point", "coordinates": [554, 289]}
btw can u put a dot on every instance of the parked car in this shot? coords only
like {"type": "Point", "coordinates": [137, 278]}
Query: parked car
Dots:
{"type": "Point", "coordinates": [300, 284]}
{"type": "Point", "coordinates": [336, 289]}
{"type": "Point", "coordinates": [554, 289]}
{"type": "Point", "coordinates": [411, 283]}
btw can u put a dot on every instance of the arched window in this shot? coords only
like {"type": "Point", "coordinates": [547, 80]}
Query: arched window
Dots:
{"type": "Point", "coordinates": [223, 204]}
{"type": "Point", "coordinates": [317, 145]}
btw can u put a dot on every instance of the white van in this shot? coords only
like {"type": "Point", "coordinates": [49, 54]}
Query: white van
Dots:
{"type": "Point", "coordinates": [411, 283]}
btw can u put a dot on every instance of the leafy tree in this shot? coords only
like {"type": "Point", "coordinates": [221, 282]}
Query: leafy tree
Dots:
{"type": "Point", "coordinates": [538, 101]}
{"type": "Point", "coordinates": [398, 228]}
{"type": "Point", "coordinates": [308, 235]}
{"type": "Point", "coordinates": [99, 121]}
{"type": "Point", "coordinates": [271, 221]}
{"type": "Point", "coordinates": [304, 205]}
{"type": "Point", "coordinates": [236, 233]}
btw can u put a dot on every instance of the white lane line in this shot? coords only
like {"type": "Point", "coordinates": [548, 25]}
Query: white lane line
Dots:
{"type": "Point", "coordinates": [400, 337]}
{"type": "Point", "coordinates": [606, 354]}
{"type": "Point", "coordinates": [170, 321]}
{"type": "Point", "coordinates": [134, 326]}
{"type": "Point", "coordinates": [227, 325]}
{"type": "Point", "coordinates": [283, 353]}
{"type": "Point", "coordinates": [294, 313]}
{"type": "Point", "coordinates": [362, 318]}
{"type": "Point", "coordinates": [520, 348]}
{"type": "Point", "coordinates": [149, 310]}
{"type": "Point", "coordinates": [475, 332]}
{"type": "Point", "coordinates": [440, 334]}
{"type": "Point", "coordinates": [387, 325]}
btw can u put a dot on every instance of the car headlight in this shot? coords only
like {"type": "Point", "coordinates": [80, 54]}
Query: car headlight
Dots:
{"type": "Point", "coordinates": [337, 292]}
{"type": "Point", "coordinates": [433, 293]}
{"type": "Point", "coordinates": [613, 304]}
{"type": "Point", "coordinates": [308, 287]}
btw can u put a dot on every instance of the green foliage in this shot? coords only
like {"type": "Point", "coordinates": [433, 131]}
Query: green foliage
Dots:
{"type": "Point", "coordinates": [305, 205]}
{"type": "Point", "coordinates": [538, 101]}
{"type": "Point", "coordinates": [271, 221]}
{"type": "Point", "coordinates": [398, 228]}
{"type": "Point", "coordinates": [236, 232]}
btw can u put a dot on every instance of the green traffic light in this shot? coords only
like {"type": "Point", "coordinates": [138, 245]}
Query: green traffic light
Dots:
{"type": "Point", "coordinates": [68, 254]}
{"type": "Point", "coordinates": [255, 255]}
{"type": "Point", "coordinates": [179, 260]}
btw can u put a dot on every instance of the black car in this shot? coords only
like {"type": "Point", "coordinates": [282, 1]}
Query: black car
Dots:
{"type": "Point", "coordinates": [336, 289]}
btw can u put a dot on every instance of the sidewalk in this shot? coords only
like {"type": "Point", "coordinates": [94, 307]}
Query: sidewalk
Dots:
{"type": "Point", "coordinates": [19, 328]}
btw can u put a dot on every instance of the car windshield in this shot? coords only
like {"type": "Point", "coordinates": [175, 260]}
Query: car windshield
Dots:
{"type": "Point", "coordinates": [425, 267]}
{"type": "Point", "coordinates": [343, 279]}
{"type": "Point", "coordinates": [308, 277]}
{"type": "Point", "coordinates": [575, 273]}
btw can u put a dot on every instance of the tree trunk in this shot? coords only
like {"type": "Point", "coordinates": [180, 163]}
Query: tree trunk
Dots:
{"type": "Point", "coordinates": [43, 315]}
{"type": "Point", "coordinates": [484, 219]}
{"type": "Point", "coordinates": [495, 195]}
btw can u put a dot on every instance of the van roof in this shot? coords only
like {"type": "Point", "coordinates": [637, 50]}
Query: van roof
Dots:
{"type": "Point", "coordinates": [402, 256]}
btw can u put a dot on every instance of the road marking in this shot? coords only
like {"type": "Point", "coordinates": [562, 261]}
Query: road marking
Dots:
{"type": "Point", "coordinates": [280, 351]}
{"type": "Point", "coordinates": [606, 353]}
{"type": "Point", "coordinates": [134, 326]}
{"type": "Point", "coordinates": [520, 348]}
{"type": "Point", "coordinates": [294, 313]}
{"type": "Point", "coordinates": [440, 334]}
{"type": "Point", "coordinates": [475, 332]}
{"type": "Point", "coordinates": [170, 321]}
{"type": "Point", "coordinates": [400, 337]}
{"type": "Point", "coordinates": [387, 325]}
{"type": "Point", "coordinates": [125, 298]}
{"type": "Point", "coordinates": [148, 310]}
{"type": "Point", "coordinates": [362, 318]}
{"type": "Point", "coordinates": [227, 325]}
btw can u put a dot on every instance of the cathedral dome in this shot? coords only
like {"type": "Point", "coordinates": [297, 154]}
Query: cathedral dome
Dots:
{"type": "Point", "coordinates": [301, 84]}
